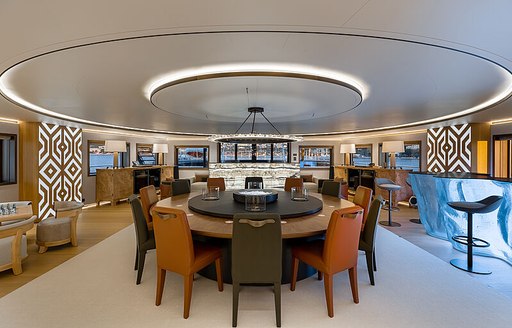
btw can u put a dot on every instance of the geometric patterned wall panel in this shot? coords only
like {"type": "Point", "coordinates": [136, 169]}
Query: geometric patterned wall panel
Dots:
{"type": "Point", "coordinates": [449, 149]}
{"type": "Point", "coordinates": [60, 166]}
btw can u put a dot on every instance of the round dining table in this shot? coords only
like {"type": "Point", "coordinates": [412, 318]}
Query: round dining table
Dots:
{"type": "Point", "coordinates": [218, 229]}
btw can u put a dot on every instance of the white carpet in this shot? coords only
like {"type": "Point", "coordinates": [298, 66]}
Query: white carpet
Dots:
{"type": "Point", "coordinates": [97, 289]}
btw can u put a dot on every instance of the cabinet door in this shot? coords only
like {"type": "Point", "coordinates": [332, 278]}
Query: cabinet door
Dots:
{"type": "Point", "coordinates": [123, 183]}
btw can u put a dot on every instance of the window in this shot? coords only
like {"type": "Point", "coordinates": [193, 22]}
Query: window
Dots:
{"type": "Point", "coordinates": [145, 154]}
{"type": "Point", "coordinates": [191, 156]}
{"type": "Point", "coordinates": [410, 159]}
{"type": "Point", "coordinates": [99, 159]}
{"type": "Point", "coordinates": [253, 153]}
{"type": "Point", "coordinates": [363, 155]}
{"type": "Point", "coordinates": [8, 162]}
{"type": "Point", "coordinates": [315, 156]}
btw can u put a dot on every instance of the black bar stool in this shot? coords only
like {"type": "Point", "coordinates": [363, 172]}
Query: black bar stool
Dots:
{"type": "Point", "coordinates": [390, 186]}
{"type": "Point", "coordinates": [486, 205]}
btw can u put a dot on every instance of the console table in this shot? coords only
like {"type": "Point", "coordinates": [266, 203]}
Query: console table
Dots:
{"type": "Point", "coordinates": [116, 184]}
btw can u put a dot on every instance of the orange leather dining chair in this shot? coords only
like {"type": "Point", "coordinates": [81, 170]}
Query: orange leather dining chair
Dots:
{"type": "Point", "coordinates": [338, 252]}
{"type": "Point", "coordinates": [216, 182]}
{"type": "Point", "coordinates": [148, 198]}
{"type": "Point", "coordinates": [363, 198]}
{"type": "Point", "coordinates": [289, 183]}
{"type": "Point", "coordinates": [177, 252]}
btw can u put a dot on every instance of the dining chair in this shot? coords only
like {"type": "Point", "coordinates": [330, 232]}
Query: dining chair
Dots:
{"type": "Point", "coordinates": [289, 183]}
{"type": "Point", "coordinates": [253, 179]}
{"type": "Point", "coordinates": [216, 182]}
{"type": "Point", "coordinates": [13, 244]}
{"type": "Point", "coordinates": [363, 198]}
{"type": "Point", "coordinates": [148, 198]}
{"type": "Point", "coordinates": [179, 187]}
{"type": "Point", "coordinates": [177, 252]}
{"type": "Point", "coordinates": [145, 237]}
{"type": "Point", "coordinates": [338, 252]}
{"type": "Point", "coordinates": [256, 255]}
{"type": "Point", "coordinates": [367, 239]}
{"type": "Point", "coordinates": [335, 188]}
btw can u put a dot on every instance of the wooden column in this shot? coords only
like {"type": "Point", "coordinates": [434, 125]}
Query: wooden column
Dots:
{"type": "Point", "coordinates": [28, 159]}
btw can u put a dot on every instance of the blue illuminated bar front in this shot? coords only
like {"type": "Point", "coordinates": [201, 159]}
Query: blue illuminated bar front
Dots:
{"type": "Point", "coordinates": [434, 191]}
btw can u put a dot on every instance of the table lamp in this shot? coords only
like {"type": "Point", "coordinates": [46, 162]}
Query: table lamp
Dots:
{"type": "Point", "coordinates": [160, 149]}
{"type": "Point", "coordinates": [115, 146]}
{"type": "Point", "coordinates": [347, 149]}
{"type": "Point", "coordinates": [392, 147]}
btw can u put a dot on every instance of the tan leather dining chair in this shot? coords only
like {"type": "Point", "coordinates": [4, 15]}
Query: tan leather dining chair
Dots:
{"type": "Point", "coordinates": [289, 183]}
{"type": "Point", "coordinates": [338, 252]}
{"type": "Point", "coordinates": [216, 182]}
{"type": "Point", "coordinates": [363, 198]}
{"type": "Point", "coordinates": [148, 198]}
{"type": "Point", "coordinates": [177, 252]}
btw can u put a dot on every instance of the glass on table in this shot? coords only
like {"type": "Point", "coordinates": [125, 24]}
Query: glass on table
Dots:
{"type": "Point", "coordinates": [299, 193]}
{"type": "Point", "coordinates": [255, 203]}
{"type": "Point", "coordinates": [210, 193]}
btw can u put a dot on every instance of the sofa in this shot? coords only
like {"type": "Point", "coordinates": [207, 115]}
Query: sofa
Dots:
{"type": "Point", "coordinates": [198, 182]}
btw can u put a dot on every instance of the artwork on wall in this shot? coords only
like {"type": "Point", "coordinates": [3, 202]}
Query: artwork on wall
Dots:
{"type": "Point", "coordinates": [60, 166]}
{"type": "Point", "coordinates": [449, 149]}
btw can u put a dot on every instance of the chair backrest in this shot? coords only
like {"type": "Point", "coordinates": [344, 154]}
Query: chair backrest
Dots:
{"type": "Point", "coordinates": [216, 182]}
{"type": "Point", "coordinates": [293, 182]}
{"type": "Point", "coordinates": [173, 239]}
{"type": "Point", "coordinates": [256, 251]}
{"type": "Point", "coordinates": [333, 188]}
{"type": "Point", "coordinates": [148, 197]}
{"type": "Point", "coordinates": [139, 221]}
{"type": "Point", "coordinates": [179, 187]}
{"type": "Point", "coordinates": [253, 179]}
{"type": "Point", "coordinates": [342, 239]}
{"type": "Point", "coordinates": [70, 209]}
{"type": "Point", "coordinates": [363, 198]}
{"type": "Point", "coordinates": [368, 234]}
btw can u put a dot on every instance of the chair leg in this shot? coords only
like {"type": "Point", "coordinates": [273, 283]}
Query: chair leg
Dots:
{"type": "Point", "coordinates": [328, 294]}
{"type": "Point", "coordinates": [352, 272]}
{"type": "Point", "coordinates": [236, 291]}
{"type": "Point", "coordinates": [218, 271]}
{"type": "Point", "coordinates": [42, 249]}
{"type": "Point", "coordinates": [277, 300]}
{"type": "Point", "coordinates": [140, 269]}
{"type": "Point", "coordinates": [369, 264]}
{"type": "Point", "coordinates": [73, 236]}
{"type": "Point", "coordinates": [136, 258]}
{"type": "Point", "coordinates": [374, 261]}
{"type": "Point", "coordinates": [295, 269]}
{"type": "Point", "coordinates": [160, 282]}
{"type": "Point", "coordinates": [320, 275]}
{"type": "Point", "coordinates": [188, 283]}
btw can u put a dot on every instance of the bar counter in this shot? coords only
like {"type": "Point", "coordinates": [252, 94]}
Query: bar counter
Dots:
{"type": "Point", "coordinates": [434, 190]}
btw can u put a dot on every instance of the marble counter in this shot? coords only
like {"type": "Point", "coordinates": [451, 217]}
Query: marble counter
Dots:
{"type": "Point", "coordinates": [434, 191]}
{"type": "Point", "coordinates": [273, 174]}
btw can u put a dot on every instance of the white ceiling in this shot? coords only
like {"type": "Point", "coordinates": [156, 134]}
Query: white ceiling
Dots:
{"type": "Point", "coordinates": [412, 62]}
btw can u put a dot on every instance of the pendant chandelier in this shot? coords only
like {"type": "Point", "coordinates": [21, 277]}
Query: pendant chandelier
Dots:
{"type": "Point", "coordinates": [250, 138]}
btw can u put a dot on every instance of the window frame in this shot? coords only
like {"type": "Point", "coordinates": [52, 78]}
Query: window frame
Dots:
{"type": "Point", "coordinates": [205, 164]}
{"type": "Point", "coordinates": [254, 159]}
{"type": "Point", "coordinates": [124, 157]}
{"type": "Point", "coordinates": [331, 159]}
{"type": "Point", "coordinates": [370, 146]}
{"type": "Point", "coordinates": [12, 159]}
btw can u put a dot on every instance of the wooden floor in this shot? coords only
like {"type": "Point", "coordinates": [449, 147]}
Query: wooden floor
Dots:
{"type": "Point", "coordinates": [94, 225]}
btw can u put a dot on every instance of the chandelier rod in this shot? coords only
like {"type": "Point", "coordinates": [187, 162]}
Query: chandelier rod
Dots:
{"type": "Point", "coordinates": [244, 123]}
{"type": "Point", "coordinates": [269, 122]}
{"type": "Point", "coordinates": [253, 119]}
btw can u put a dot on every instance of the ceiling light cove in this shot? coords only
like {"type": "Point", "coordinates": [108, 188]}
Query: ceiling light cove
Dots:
{"type": "Point", "coordinates": [257, 69]}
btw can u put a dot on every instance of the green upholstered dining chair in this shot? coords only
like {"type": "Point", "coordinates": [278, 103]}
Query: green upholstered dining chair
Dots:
{"type": "Point", "coordinates": [367, 239]}
{"type": "Point", "coordinates": [256, 255]}
{"type": "Point", "coordinates": [179, 187]}
{"type": "Point", "coordinates": [253, 179]}
{"type": "Point", "coordinates": [335, 188]}
{"type": "Point", "coordinates": [145, 237]}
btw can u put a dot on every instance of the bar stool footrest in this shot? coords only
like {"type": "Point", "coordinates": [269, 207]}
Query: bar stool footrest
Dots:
{"type": "Point", "coordinates": [476, 242]}
{"type": "Point", "coordinates": [393, 224]}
